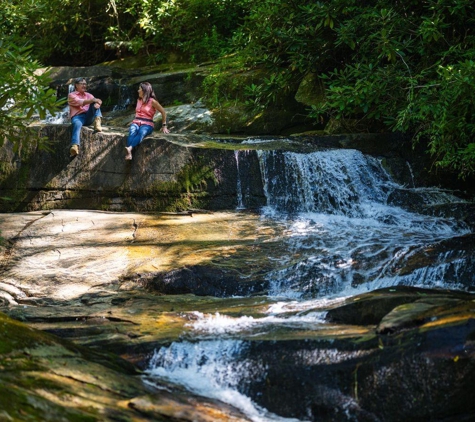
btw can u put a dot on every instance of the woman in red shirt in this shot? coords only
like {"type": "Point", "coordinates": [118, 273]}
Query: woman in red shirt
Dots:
{"type": "Point", "coordinates": [142, 125]}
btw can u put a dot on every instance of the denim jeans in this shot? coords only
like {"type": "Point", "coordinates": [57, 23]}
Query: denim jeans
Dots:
{"type": "Point", "coordinates": [83, 119]}
{"type": "Point", "coordinates": [137, 133]}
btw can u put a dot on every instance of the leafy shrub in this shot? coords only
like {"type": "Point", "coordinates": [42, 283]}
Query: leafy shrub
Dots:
{"type": "Point", "coordinates": [24, 94]}
{"type": "Point", "coordinates": [405, 66]}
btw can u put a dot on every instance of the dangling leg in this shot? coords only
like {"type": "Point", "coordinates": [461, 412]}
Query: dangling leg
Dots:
{"type": "Point", "coordinates": [132, 140]}
{"type": "Point", "coordinates": [144, 131]}
{"type": "Point", "coordinates": [136, 135]}
{"type": "Point", "coordinates": [77, 123]}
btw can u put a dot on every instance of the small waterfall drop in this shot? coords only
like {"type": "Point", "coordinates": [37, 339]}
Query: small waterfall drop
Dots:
{"type": "Point", "coordinates": [125, 98]}
{"type": "Point", "coordinates": [343, 235]}
{"type": "Point", "coordinates": [411, 173]}
{"type": "Point", "coordinates": [62, 116]}
{"type": "Point", "coordinates": [214, 369]}
{"type": "Point", "coordinates": [333, 182]}
{"type": "Point", "coordinates": [240, 204]}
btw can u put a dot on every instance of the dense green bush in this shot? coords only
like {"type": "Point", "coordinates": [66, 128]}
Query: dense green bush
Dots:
{"type": "Point", "coordinates": [62, 32]}
{"type": "Point", "coordinates": [85, 32]}
{"type": "Point", "coordinates": [400, 65]}
{"type": "Point", "coordinates": [197, 29]}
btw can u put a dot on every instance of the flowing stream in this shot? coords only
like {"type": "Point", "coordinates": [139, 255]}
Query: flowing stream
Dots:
{"type": "Point", "coordinates": [341, 237]}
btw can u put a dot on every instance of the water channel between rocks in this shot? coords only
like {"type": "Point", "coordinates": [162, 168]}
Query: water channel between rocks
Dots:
{"type": "Point", "coordinates": [327, 233]}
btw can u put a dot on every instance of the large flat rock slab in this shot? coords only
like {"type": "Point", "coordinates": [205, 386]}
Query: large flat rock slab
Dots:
{"type": "Point", "coordinates": [64, 254]}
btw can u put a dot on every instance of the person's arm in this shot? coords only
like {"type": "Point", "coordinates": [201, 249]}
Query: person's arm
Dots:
{"type": "Point", "coordinates": [157, 106]}
{"type": "Point", "coordinates": [75, 101]}
{"type": "Point", "coordinates": [93, 100]}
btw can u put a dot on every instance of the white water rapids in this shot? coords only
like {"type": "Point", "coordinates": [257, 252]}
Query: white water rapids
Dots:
{"type": "Point", "coordinates": [342, 238]}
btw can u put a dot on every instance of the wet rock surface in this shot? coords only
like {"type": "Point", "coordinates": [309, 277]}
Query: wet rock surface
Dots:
{"type": "Point", "coordinates": [44, 378]}
{"type": "Point", "coordinates": [81, 287]}
{"type": "Point", "coordinates": [203, 281]}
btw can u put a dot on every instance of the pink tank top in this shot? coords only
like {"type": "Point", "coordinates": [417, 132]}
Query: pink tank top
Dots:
{"type": "Point", "coordinates": [144, 113]}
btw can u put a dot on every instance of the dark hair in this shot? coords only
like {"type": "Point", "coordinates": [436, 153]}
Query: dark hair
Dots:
{"type": "Point", "coordinates": [147, 92]}
{"type": "Point", "coordinates": [78, 81]}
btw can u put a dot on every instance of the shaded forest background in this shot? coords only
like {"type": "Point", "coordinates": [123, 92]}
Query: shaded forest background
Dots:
{"type": "Point", "coordinates": [382, 65]}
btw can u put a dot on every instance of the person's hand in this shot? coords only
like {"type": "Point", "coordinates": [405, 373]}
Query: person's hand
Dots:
{"type": "Point", "coordinates": [165, 129]}
{"type": "Point", "coordinates": [97, 103]}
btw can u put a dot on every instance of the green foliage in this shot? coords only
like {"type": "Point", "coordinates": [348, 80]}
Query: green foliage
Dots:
{"type": "Point", "coordinates": [404, 66]}
{"type": "Point", "coordinates": [85, 32]}
{"type": "Point", "coordinates": [24, 94]}
{"type": "Point", "coordinates": [192, 177]}
{"type": "Point", "coordinates": [225, 83]}
{"type": "Point", "coordinates": [195, 176]}
{"type": "Point", "coordinates": [444, 113]}
{"type": "Point", "coordinates": [62, 31]}
{"type": "Point", "coordinates": [199, 29]}
{"type": "Point", "coordinates": [188, 188]}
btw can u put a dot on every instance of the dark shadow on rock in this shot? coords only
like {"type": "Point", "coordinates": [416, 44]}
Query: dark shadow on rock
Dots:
{"type": "Point", "coordinates": [201, 281]}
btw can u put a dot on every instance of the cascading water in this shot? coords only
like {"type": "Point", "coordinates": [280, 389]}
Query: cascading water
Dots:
{"type": "Point", "coordinates": [125, 98]}
{"type": "Point", "coordinates": [342, 237]}
{"type": "Point", "coordinates": [244, 178]}
{"type": "Point", "coordinates": [240, 204]}
{"type": "Point", "coordinates": [62, 116]}
{"type": "Point", "coordinates": [214, 368]}
{"type": "Point", "coordinates": [331, 182]}
{"type": "Point", "coordinates": [346, 235]}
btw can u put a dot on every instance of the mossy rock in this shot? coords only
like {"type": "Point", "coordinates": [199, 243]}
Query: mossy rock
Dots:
{"type": "Point", "coordinates": [44, 378]}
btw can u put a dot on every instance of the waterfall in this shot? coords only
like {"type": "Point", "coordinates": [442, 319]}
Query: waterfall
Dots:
{"type": "Point", "coordinates": [411, 173]}
{"type": "Point", "coordinates": [343, 236]}
{"type": "Point", "coordinates": [62, 116]}
{"type": "Point", "coordinates": [125, 98]}
{"type": "Point", "coordinates": [243, 179]}
{"type": "Point", "coordinates": [240, 204]}
{"type": "Point", "coordinates": [214, 369]}
{"type": "Point", "coordinates": [333, 182]}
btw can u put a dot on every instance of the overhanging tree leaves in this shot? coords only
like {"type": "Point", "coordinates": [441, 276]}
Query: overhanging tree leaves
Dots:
{"type": "Point", "coordinates": [24, 93]}
{"type": "Point", "coordinates": [400, 65]}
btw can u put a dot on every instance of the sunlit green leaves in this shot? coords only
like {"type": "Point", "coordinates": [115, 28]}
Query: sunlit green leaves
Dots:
{"type": "Point", "coordinates": [25, 92]}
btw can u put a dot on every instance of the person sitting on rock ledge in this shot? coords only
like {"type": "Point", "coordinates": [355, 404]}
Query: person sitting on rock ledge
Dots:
{"type": "Point", "coordinates": [143, 125]}
{"type": "Point", "coordinates": [81, 113]}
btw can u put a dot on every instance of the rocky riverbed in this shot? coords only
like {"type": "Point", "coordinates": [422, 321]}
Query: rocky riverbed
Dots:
{"type": "Point", "coordinates": [86, 291]}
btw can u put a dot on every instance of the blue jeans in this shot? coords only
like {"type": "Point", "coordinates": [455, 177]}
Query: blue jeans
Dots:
{"type": "Point", "coordinates": [83, 119]}
{"type": "Point", "coordinates": [137, 133]}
